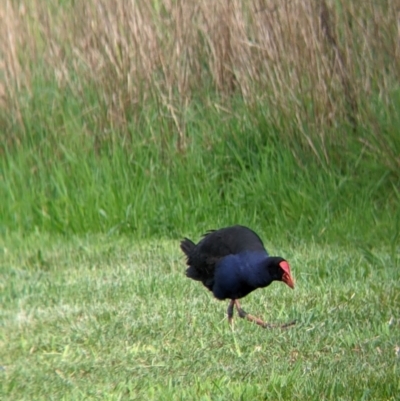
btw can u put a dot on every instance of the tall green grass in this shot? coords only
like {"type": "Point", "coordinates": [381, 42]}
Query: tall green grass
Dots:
{"type": "Point", "coordinates": [235, 168]}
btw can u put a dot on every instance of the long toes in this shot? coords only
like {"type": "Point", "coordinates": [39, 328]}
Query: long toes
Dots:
{"type": "Point", "coordinates": [292, 323]}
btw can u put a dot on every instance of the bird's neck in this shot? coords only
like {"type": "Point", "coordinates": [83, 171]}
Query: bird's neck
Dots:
{"type": "Point", "coordinates": [253, 268]}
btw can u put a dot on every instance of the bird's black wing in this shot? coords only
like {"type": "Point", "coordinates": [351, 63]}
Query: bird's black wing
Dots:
{"type": "Point", "coordinates": [230, 241]}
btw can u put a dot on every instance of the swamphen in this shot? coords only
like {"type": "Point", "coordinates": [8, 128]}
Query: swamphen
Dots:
{"type": "Point", "coordinates": [232, 262]}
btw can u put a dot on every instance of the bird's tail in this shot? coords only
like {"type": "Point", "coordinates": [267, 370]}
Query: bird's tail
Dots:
{"type": "Point", "coordinates": [187, 246]}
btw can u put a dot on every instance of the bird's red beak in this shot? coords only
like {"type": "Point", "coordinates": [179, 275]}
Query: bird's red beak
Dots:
{"type": "Point", "coordinates": [287, 277]}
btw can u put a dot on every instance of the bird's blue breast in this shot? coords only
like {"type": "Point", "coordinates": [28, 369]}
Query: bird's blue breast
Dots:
{"type": "Point", "coordinates": [238, 275]}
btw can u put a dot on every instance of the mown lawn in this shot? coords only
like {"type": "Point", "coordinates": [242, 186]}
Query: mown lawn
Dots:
{"type": "Point", "coordinates": [96, 317]}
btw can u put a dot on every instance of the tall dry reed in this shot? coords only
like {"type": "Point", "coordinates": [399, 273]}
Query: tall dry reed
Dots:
{"type": "Point", "coordinates": [311, 62]}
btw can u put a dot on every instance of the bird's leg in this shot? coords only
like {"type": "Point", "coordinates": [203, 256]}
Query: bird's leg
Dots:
{"type": "Point", "coordinates": [251, 318]}
{"type": "Point", "coordinates": [230, 311]}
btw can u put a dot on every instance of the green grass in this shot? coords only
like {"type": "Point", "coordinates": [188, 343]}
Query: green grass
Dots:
{"type": "Point", "coordinates": [96, 317]}
{"type": "Point", "coordinates": [234, 168]}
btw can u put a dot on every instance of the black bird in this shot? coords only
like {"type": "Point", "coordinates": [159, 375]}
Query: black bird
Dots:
{"type": "Point", "coordinates": [231, 262]}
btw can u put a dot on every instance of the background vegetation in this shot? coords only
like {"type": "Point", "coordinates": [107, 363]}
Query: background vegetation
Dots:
{"type": "Point", "coordinates": [157, 118]}
{"type": "Point", "coordinates": [151, 120]}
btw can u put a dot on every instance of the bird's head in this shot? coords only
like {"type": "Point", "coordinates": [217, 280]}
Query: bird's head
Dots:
{"type": "Point", "coordinates": [281, 271]}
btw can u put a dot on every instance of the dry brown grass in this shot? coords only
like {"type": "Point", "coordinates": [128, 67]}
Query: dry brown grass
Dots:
{"type": "Point", "coordinates": [313, 62]}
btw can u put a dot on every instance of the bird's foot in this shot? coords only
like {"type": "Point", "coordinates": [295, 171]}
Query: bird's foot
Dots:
{"type": "Point", "coordinates": [244, 315]}
{"type": "Point", "coordinates": [263, 324]}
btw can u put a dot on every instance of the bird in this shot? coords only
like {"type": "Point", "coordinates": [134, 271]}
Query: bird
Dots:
{"type": "Point", "coordinates": [231, 262]}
